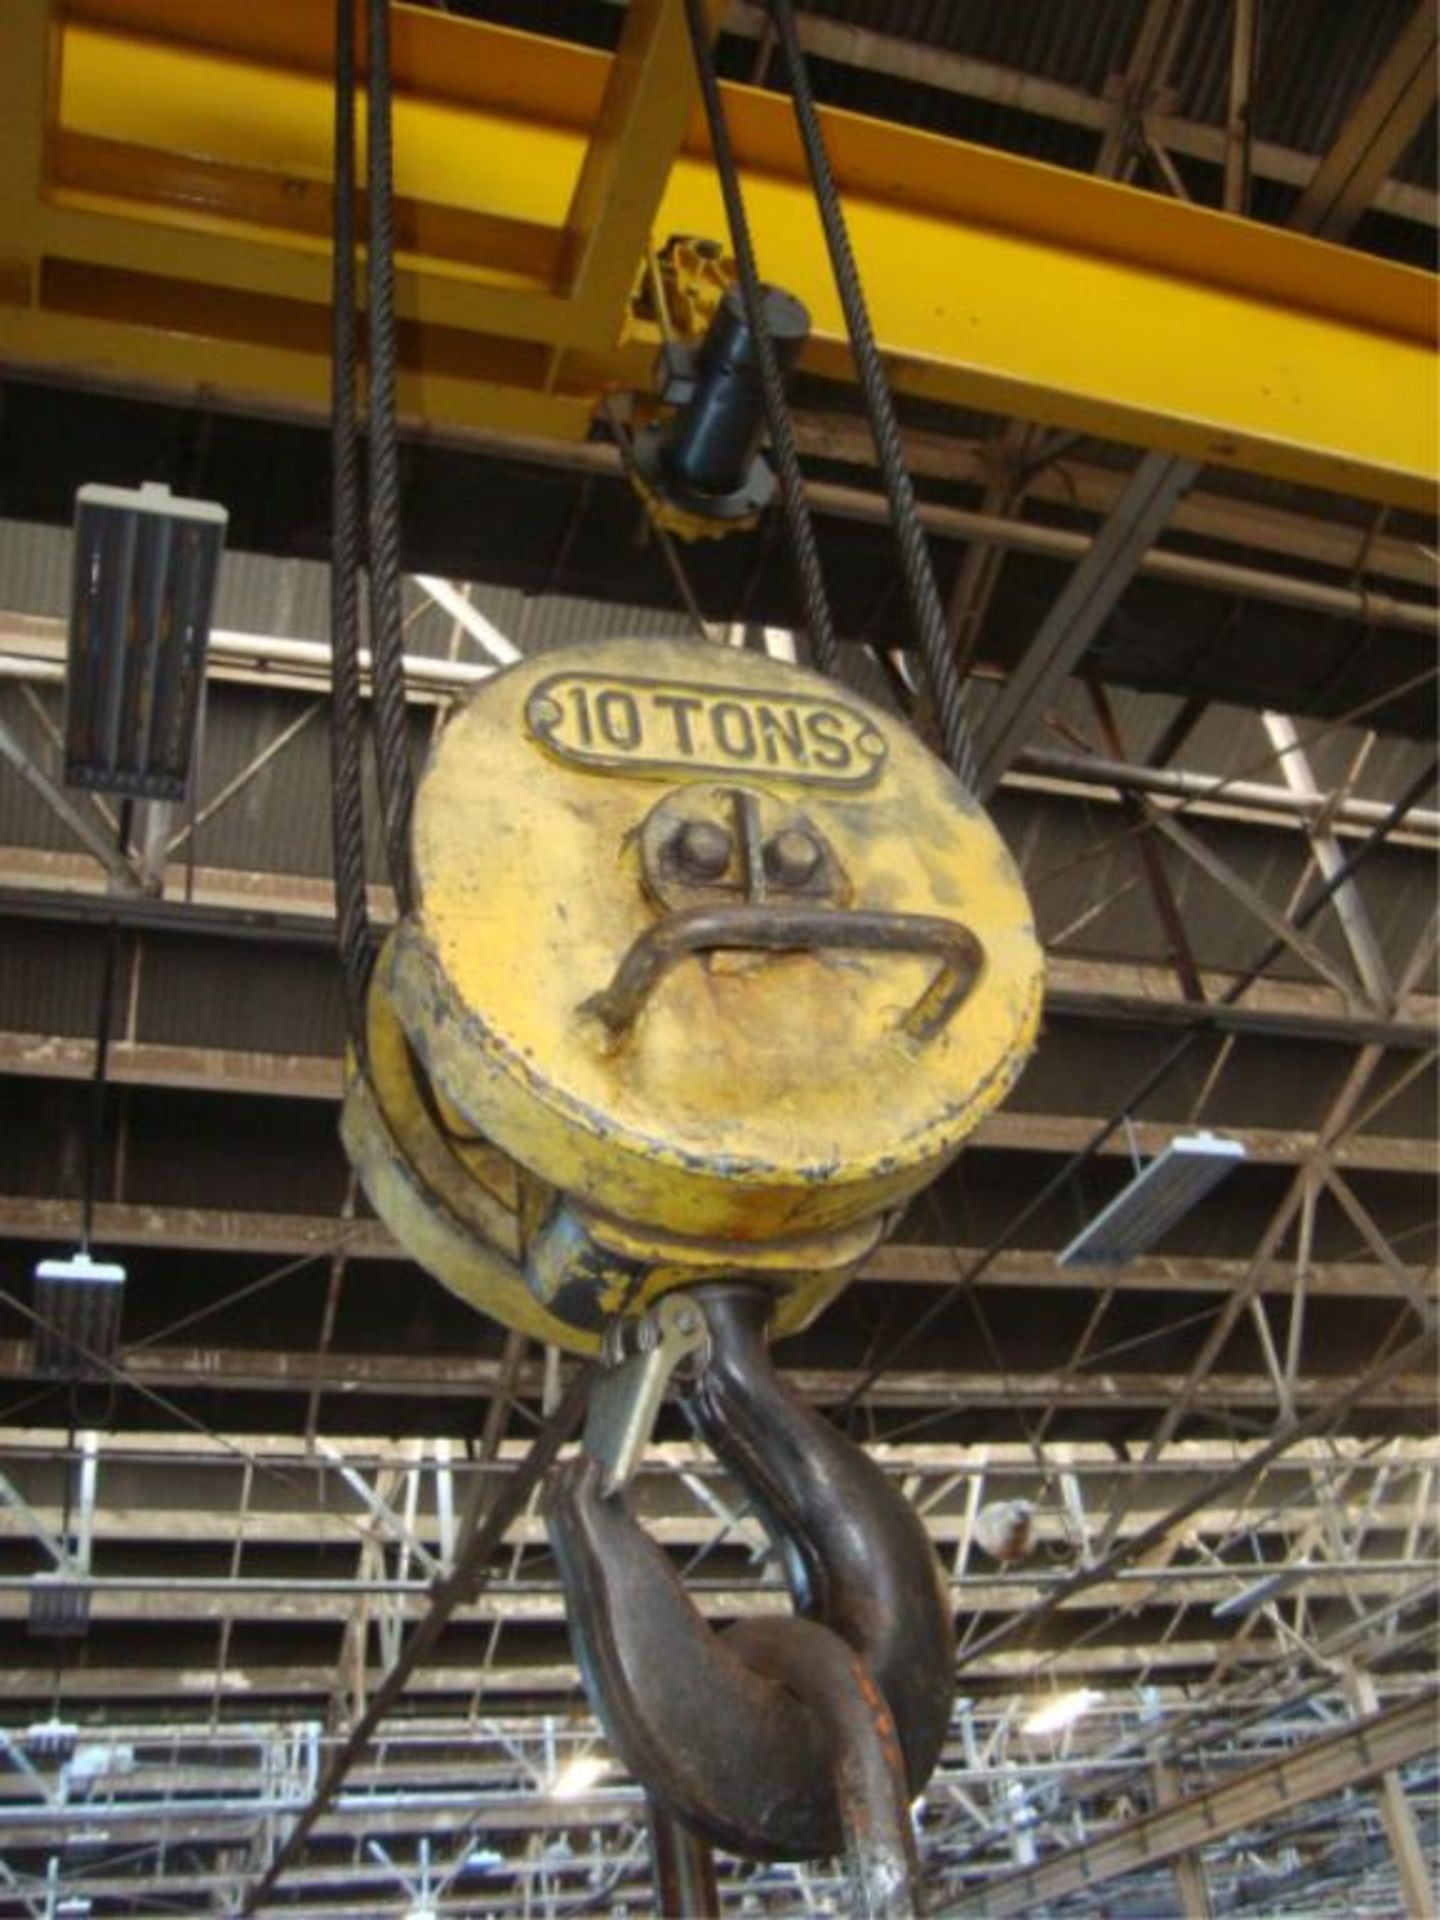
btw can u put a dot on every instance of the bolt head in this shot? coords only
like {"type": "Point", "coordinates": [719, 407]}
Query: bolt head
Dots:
{"type": "Point", "coordinates": [702, 850]}
{"type": "Point", "coordinates": [792, 857]}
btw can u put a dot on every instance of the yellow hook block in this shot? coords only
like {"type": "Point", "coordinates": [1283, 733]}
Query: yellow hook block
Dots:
{"type": "Point", "coordinates": [716, 953]}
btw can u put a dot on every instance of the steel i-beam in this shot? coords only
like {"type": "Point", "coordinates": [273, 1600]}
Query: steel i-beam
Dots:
{"type": "Point", "coordinates": [148, 239]}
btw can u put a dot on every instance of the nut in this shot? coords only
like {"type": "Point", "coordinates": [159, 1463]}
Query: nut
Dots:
{"type": "Point", "coordinates": [792, 857]}
{"type": "Point", "coordinates": [702, 850]}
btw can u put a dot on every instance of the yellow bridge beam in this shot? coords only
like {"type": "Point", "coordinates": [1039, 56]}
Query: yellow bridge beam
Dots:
{"type": "Point", "coordinates": [165, 206]}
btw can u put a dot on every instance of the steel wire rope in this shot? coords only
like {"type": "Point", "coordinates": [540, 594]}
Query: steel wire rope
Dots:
{"type": "Point", "coordinates": [347, 720]}
{"type": "Point", "coordinates": [799, 524]}
{"type": "Point", "coordinates": [1200, 1024]}
{"type": "Point", "coordinates": [406, 761]}
{"type": "Point", "coordinates": [387, 626]}
{"type": "Point", "coordinates": [803, 549]}
{"type": "Point", "coordinates": [927, 613]}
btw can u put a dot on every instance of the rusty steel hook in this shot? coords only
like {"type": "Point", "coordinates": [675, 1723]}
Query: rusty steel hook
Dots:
{"type": "Point", "coordinates": [779, 1738]}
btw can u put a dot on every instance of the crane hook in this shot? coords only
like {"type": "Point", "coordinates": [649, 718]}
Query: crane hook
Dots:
{"type": "Point", "coordinates": [778, 1738]}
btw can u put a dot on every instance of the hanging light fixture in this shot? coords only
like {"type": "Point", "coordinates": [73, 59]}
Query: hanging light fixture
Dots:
{"type": "Point", "coordinates": [59, 1607]}
{"type": "Point", "coordinates": [1260, 1592]}
{"type": "Point", "coordinates": [77, 1317]}
{"type": "Point", "coordinates": [142, 593]}
{"type": "Point", "coordinates": [1160, 1193]}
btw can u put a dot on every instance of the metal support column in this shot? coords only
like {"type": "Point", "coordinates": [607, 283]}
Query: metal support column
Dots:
{"type": "Point", "coordinates": [1376, 132]}
{"type": "Point", "coordinates": [1238, 129]}
{"type": "Point", "coordinates": [1188, 1867]}
{"type": "Point", "coordinates": [1417, 1882]}
{"type": "Point", "coordinates": [152, 839]}
{"type": "Point", "coordinates": [1349, 902]}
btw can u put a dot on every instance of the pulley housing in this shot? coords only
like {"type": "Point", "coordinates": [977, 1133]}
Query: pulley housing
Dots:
{"type": "Point", "coordinates": [713, 964]}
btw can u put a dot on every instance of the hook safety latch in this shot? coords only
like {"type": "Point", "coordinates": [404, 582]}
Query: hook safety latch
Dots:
{"type": "Point", "coordinates": [638, 1360]}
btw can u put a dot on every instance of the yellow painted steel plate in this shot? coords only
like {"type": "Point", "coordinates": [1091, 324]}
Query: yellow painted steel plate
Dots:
{"type": "Point", "coordinates": [757, 1095]}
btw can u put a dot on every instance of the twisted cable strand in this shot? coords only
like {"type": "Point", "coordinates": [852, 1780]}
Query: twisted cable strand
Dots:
{"type": "Point", "coordinates": [819, 623]}
{"type": "Point", "coordinates": [347, 792]}
{"type": "Point", "coordinates": [392, 730]}
{"type": "Point", "coordinates": [927, 613]}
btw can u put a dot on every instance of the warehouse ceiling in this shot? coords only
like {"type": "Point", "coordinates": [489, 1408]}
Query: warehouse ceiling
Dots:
{"type": "Point", "coordinates": [1225, 1449]}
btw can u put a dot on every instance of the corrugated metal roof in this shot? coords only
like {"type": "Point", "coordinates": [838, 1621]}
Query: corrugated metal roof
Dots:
{"type": "Point", "coordinates": [196, 992]}
{"type": "Point", "coordinates": [1314, 58]}
{"type": "Point", "coordinates": [1313, 61]}
{"type": "Point", "coordinates": [255, 594]}
{"type": "Point", "coordinates": [50, 978]}
{"type": "Point", "coordinates": [1075, 45]}
{"type": "Point", "coordinates": [290, 599]}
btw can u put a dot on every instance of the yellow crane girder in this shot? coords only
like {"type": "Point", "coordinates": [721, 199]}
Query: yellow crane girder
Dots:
{"type": "Point", "coordinates": [165, 206]}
